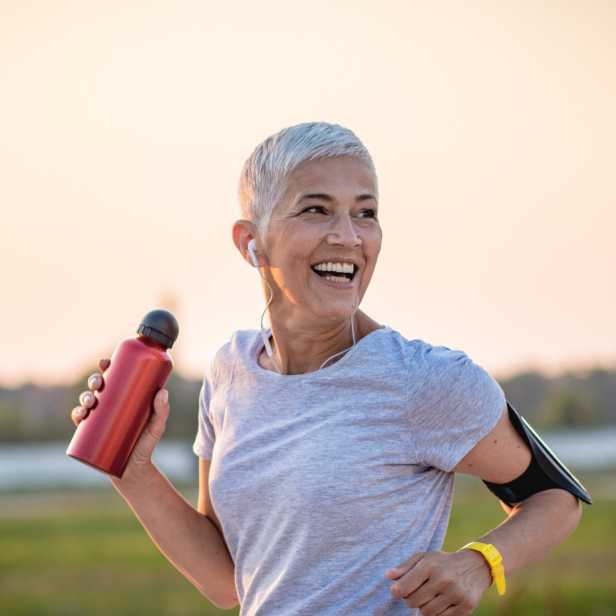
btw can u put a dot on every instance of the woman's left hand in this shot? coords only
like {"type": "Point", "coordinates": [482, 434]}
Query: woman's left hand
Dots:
{"type": "Point", "coordinates": [444, 583]}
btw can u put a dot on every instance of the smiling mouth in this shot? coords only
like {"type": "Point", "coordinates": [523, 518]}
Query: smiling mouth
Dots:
{"type": "Point", "coordinates": [336, 272]}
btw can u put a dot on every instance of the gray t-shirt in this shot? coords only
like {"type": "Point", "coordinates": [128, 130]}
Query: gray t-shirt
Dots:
{"type": "Point", "coordinates": [323, 481]}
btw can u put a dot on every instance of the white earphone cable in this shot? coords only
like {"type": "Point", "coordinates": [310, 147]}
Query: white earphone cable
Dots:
{"type": "Point", "coordinates": [345, 350]}
{"type": "Point", "coordinates": [266, 342]}
{"type": "Point", "coordinates": [268, 348]}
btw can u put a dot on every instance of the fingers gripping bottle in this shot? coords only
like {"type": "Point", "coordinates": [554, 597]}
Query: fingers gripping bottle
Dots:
{"type": "Point", "coordinates": [140, 367]}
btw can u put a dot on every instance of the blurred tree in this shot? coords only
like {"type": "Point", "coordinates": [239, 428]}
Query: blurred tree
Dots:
{"type": "Point", "coordinates": [10, 428]}
{"type": "Point", "coordinates": [568, 408]}
{"type": "Point", "coordinates": [527, 393]}
{"type": "Point", "coordinates": [184, 403]}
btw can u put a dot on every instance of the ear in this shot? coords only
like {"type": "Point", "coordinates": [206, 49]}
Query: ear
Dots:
{"type": "Point", "coordinates": [243, 232]}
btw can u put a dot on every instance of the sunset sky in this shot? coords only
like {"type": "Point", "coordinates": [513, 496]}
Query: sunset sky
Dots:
{"type": "Point", "coordinates": [124, 125]}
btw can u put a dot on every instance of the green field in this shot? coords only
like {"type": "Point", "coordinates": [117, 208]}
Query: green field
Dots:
{"type": "Point", "coordinates": [85, 554]}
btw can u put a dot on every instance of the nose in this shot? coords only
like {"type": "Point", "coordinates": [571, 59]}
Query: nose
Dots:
{"type": "Point", "coordinates": [343, 232]}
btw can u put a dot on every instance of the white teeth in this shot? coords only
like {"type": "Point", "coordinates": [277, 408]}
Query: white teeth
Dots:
{"type": "Point", "coordinates": [340, 268]}
{"type": "Point", "coordinates": [337, 278]}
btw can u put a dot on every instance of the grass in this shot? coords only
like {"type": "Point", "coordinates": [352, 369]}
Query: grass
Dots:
{"type": "Point", "coordinates": [94, 562]}
{"type": "Point", "coordinates": [89, 555]}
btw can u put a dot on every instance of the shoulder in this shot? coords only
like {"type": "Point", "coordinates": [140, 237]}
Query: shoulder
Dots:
{"type": "Point", "coordinates": [438, 368]}
{"type": "Point", "coordinates": [420, 356]}
{"type": "Point", "coordinates": [241, 343]}
{"type": "Point", "coordinates": [239, 347]}
{"type": "Point", "coordinates": [439, 362]}
{"type": "Point", "coordinates": [450, 381]}
{"type": "Point", "coordinates": [422, 366]}
{"type": "Point", "coordinates": [452, 404]}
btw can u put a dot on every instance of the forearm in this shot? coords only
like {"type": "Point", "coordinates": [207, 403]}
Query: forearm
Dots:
{"type": "Point", "coordinates": [534, 528]}
{"type": "Point", "coordinates": [189, 539]}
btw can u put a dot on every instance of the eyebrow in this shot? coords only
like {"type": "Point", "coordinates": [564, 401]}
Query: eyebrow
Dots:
{"type": "Point", "coordinates": [326, 197]}
{"type": "Point", "coordinates": [322, 196]}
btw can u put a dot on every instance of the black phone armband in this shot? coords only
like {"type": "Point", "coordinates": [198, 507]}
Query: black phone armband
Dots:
{"type": "Point", "coordinates": [545, 471]}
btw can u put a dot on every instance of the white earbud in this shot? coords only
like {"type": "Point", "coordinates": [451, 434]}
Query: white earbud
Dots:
{"type": "Point", "coordinates": [268, 347]}
{"type": "Point", "coordinates": [252, 250]}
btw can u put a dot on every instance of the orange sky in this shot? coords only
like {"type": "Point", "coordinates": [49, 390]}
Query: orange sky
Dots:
{"type": "Point", "coordinates": [124, 126]}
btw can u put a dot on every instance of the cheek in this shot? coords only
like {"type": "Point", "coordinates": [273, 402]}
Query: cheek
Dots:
{"type": "Point", "coordinates": [372, 245]}
{"type": "Point", "coordinates": [292, 242]}
{"type": "Point", "coordinates": [290, 275]}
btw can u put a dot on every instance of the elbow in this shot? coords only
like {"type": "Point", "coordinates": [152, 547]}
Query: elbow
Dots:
{"type": "Point", "coordinates": [568, 508]}
{"type": "Point", "coordinates": [571, 508]}
{"type": "Point", "coordinates": [224, 603]}
{"type": "Point", "coordinates": [562, 511]}
{"type": "Point", "coordinates": [223, 596]}
{"type": "Point", "coordinates": [572, 515]}
{"type": "Point", "coordinates": [576, 514]}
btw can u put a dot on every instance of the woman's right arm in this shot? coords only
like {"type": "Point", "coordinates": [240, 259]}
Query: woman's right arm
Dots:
{"type": "Point", "coordinates": [189, 538]}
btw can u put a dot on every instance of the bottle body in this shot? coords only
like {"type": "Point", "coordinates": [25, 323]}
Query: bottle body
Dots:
{"type": "Point", "coordinates": [106, 438]}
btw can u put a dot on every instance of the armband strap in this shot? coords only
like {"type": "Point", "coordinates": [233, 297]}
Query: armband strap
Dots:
{"type": "Point", "coordinates": [544, 472]}
{"type": "Point", "coordinates": [495, 560]}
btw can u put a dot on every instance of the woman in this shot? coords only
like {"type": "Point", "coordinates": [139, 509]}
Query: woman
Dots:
{"type": "Point", "coordinates": [328, 445]}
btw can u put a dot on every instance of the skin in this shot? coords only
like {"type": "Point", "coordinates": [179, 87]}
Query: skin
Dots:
{"type": "Point", "coordinates": [310, 316]}
{"type": "Point", "coordinates": [330, 213]}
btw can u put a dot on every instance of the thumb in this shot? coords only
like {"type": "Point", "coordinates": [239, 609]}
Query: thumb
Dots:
{"type": "Point", "coordinates": [161, 403]}
{"type": "Point", "coordinates": [161, 412]}
{"type": "Point", "coordinates": [397, 572]}
{"type": "Point", "coordinates": [152, 432]}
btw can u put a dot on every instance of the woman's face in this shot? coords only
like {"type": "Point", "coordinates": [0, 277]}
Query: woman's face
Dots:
{"type": "Point", "coordinates": [326, 222]}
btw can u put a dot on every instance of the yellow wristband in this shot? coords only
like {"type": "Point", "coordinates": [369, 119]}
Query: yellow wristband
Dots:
{"type": "Point", "coordinates": [495, 560]}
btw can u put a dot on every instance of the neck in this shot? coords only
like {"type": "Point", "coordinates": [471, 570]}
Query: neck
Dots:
{"type": "Point", "coordinates": [299, 350]}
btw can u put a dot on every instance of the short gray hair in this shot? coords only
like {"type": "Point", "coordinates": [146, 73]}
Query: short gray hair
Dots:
{"type": "Point", "coordinates": [263, 179]}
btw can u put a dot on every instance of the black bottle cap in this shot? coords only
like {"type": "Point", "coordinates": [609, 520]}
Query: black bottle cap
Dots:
{"type": "Point", "coordinates": [161, 326]}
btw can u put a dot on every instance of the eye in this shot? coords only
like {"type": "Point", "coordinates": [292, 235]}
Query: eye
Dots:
{"type": "Point", "coordinates": [369, 213]}
{"type": "Point", "coordinates": [314, 209]}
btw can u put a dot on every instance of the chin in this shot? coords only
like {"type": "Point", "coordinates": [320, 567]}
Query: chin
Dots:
{"type": "Point", "coordinates": [336, 313]}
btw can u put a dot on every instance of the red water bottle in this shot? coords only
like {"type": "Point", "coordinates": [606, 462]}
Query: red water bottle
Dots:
{"type": "Point", "coordinates": [140, 367]}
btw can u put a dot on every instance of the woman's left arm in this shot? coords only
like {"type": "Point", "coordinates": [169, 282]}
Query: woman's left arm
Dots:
{"type": "Point", "coordinates": [452, 584]}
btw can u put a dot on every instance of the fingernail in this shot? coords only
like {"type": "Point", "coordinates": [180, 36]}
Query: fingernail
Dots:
{"type": "Point", "coordinates": [80, 413]}
{"type": "Point", "coordinates": [166, 397]}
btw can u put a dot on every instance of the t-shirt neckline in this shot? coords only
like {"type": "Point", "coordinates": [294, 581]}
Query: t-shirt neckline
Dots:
{"type": "Point", "coordinates": [258, 345]}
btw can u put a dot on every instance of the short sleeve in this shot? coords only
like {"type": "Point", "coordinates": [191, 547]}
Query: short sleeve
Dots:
{"type": "Point", "coordinates": [204, 443]}
{"type": "Point", "coordinates": [453, 403]}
